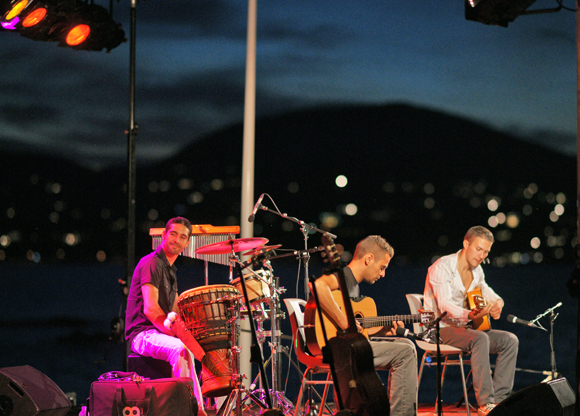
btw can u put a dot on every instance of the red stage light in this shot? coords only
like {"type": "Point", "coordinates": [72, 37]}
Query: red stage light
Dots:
{"type": "Point", "coordinates": [77, 35]}
{"type": "Point", "coordinates": [34, 17]}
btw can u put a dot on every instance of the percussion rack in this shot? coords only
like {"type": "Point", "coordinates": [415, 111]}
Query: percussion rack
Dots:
{"type": "Point", "coordinates": [202, 235]}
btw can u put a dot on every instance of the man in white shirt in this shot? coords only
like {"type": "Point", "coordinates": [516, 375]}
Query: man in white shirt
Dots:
{"type": "Point", "coordinates": [449, 280]}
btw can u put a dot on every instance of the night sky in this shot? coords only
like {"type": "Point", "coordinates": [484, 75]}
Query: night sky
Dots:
{"type": "Point", "coordinates": [190, 72]}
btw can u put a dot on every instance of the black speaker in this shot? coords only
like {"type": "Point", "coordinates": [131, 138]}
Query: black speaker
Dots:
{"type": "Point", "coordinates": [554, 398]}
{"type": "Point", "coordinates": [25, 391]}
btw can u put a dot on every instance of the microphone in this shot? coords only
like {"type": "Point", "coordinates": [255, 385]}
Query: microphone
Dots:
{"type": "Point", "coordinates": [256, 208]}
{"type": "Point", "coordinates": [405, 333]}
{"type": "Point", "coordinates": [515, 320]}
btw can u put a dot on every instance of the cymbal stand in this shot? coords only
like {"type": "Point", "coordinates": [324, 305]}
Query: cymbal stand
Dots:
{"type": "Point", "coordinates": [234, 400]}
{"type": "Point", "coordinates": [278, 396]}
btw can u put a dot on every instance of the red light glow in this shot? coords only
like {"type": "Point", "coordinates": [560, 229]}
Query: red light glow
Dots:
{"type": "Point", "coordinates": [77, 35]}
{"type": "Point", "coordinates": [34, 17]}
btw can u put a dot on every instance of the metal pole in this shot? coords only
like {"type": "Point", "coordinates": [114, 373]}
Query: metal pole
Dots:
{"type": "Point", "coordinates": [577, 254]}
{"type": "Point", "coordinates": [131, 163]}
{"type": "Point", "coordinates": [247, 229]}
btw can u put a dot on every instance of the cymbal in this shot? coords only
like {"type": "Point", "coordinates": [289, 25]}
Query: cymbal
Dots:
{"type": "Point", "coordinates": [263, 249]}
{"type": "Point", "coordinates": [237, 245]}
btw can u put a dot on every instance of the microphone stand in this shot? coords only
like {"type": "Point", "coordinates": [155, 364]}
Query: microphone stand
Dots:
{"type": "Point", "coordinates": [305, 228]}
{"type": "Point", "coordinates": [303, 256]}
{"type": "Point", "coordinates": [439, 387]}
{"type": "Point", "coordinates": [553, 317]}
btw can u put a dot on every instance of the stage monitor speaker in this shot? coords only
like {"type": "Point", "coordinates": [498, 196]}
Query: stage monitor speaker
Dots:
{"type": "Point", "coordinates": [25, 391]}
{"type": "Point", "coordinates": [554, 398]}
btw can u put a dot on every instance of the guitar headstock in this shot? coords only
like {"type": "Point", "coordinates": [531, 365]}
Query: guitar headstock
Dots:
{"type": "Point", "coordinates": [479, 301]}
{"type": "Point", "coordinates": [331, 253]}
{"type": "Point", "coordinates": [427, 317]}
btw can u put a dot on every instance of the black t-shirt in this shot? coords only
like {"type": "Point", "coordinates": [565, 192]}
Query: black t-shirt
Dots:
{"type": "Point", "coordinates": [154, 268]}
{"type": "Point", "coordinates": [351, 283]}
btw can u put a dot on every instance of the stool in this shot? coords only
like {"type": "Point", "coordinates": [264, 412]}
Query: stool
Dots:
{"type": "Point", "coordinates": [148, 367]}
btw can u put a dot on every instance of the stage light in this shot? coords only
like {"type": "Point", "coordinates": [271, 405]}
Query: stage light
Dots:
{"type": "Point", "coordinates": [91, 28]}
{"type": "Point", "coordinates": [495, 12]}
{"type": "Point", "coordinates": [11, 12]}
{"type": "Point", "coordinates": [71, 23]}
{"type": "Point", "coordinates": [34, 17]}
{"type": "Point", "coordinates": [77, 35]}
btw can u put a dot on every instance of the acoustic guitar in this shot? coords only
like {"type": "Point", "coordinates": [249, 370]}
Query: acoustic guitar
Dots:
{"type": "Point", "coordinates": [365, 312]}
{"type": "Point", "coordinates": [476, 301]}
{"type": "Point", "coordinates": [360, 389]}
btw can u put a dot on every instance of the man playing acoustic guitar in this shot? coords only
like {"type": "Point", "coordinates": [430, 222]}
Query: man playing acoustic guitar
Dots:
{"type": "Point", "coordinates": [451, 280]}
{"type": "Point", "coordinates": [397, 355]}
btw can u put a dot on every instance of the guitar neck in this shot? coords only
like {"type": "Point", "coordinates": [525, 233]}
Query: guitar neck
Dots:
{"type": "Point", "coordinates": [374, 321]}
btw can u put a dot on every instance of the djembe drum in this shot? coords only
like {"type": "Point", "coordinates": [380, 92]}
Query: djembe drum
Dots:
{"type": "Point", "coordinates": [208, 313]}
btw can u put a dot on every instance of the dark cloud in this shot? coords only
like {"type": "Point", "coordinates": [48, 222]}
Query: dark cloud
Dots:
{"type": "Point", "coordinates": [16, 114]}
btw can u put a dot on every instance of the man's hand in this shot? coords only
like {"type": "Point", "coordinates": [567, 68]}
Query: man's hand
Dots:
{"type": "Point", "coordinates": [479, 313]}
{"type": "Point", "coordinates": [496, 308]}
{"type": "Point", "coordinates": [391, 330]}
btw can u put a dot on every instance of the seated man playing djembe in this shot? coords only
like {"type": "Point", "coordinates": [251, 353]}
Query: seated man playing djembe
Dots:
{"type": "Point", "coordinates": [152, 296]}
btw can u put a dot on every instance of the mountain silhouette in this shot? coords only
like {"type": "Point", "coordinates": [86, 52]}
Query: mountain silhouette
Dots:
{"type": "Point", "coordinates": [418, 177]}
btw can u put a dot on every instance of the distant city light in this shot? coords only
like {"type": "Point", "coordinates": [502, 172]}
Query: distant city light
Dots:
{"type": "Point", "coordinates": [535, 243]}
{"type": "Point", "coordinates": [72, 239]}
{"type": "Point", "coordinates": [32, 255]}
{"type": "Point", "coordinates": [341, 181]}
{"type": "Point", "coordinates": [350, 209]}
{"type": "Point", "coordinates": [560, 198]}
{"type": "Point", "coordinates": [153, 214]}
{"type": "Point", "coordinates": [554, 217]}
{"type": "Point", "coordinates": [429, 203]}
{"type": "Point", "coordinates": [10, 213]}
{"type": "Point", "coordinates": [101, 256]}
{"type": "Point", "coordinates": [55, 188]}
{"type": "Point", "coordinates": [492, 205]}
{"type": "Point", "coordinates": [527, 210]}
{"type": "Point", "coordinates": [492, 221]}
{"type": "Point", "coordinates": [194, 198]}
{"type": "Point", "coordinates": [164, 186]}
{"type": "Point", "coordinates": [389, 187]}
{"type": "Point", "coordinates": [217, 184]}
{"type": "Point", "coordinates": [293, 187]}
{"type": "Point", "coordinates": [329, 219]}
{"type": "Point", "coordinates": [5, 240]}
{"type": "Point", "coordinates": [559, 209]}
{"type": "Point", "coordinates": [185, 184]}
{"type": "Point", "coordinates": [512, 220]}
{"type": "Point", "coordinates": [500, 218]}
{"type": "Point", "coordinates": [530, 191]}
{"type": "Point", "coordinates": [429, 188]}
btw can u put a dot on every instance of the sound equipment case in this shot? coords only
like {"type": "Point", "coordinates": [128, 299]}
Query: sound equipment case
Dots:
{"type": "Point", "coordinates": [160, 397]}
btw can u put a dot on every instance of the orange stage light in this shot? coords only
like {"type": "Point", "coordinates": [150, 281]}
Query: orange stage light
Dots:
{"type": "Point", "coordinates": [78, 35]}
{"type": "Point", "coordinates": [34, 17]}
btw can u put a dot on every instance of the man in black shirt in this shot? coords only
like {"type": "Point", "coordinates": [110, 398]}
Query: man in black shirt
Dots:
{"type": "Point", "coordinates": [396, 355]}
{"type": "Point", "coordinates": [152, 296]}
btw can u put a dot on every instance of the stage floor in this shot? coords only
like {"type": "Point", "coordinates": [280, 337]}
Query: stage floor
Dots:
{"type": "Point", "coordinates": [424, 410]}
